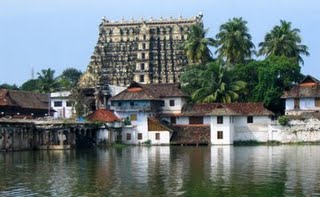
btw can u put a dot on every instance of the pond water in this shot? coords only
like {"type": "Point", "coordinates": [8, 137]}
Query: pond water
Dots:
{"type": "Point", "coordinates": [164, 171]}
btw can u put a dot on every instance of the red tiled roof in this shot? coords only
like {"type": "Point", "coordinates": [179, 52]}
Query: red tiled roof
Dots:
{"type": "Point", "coordinates": [103, 115]}
{"type": "Point", "coordinates": [225, 109]}
{"type": "Point", "coordinates": [308, 87]}
{"type": "Point", "coordinates": [249, 108]}
{"type": "Point", "coordinates": [138, 91]}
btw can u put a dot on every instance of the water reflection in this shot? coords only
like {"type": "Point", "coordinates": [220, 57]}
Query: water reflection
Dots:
{"type": "Point", "coordinates": [164, 171]}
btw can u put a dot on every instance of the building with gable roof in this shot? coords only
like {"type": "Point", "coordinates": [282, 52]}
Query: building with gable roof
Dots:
{"type": "Point", "coordinates": [191, 124]}
{"type": "Point", "coordinates": [303, 97]}
{"type": "Point", "coordinates": [23, 104]}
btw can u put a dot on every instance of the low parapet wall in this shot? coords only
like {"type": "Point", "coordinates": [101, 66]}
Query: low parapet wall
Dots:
{"type": "Point", "coordinates": [296, 131]}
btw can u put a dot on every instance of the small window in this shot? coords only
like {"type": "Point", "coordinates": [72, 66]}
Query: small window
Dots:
{"type": "Point", "coordinates": [57, 103]}
{"type": "Point", "coordinates": [250, 119]}
{"type": "Point", "coordinates": [173, 120]}
{"type": "Point", "coordinates": [141, 78]}
{"type": "Point", "coordinates": [119, 104]}
{"type": "Point", "coordinates": [171, 103]}
{"type": "Point", "coordinates": [142, 66]}
{"type": "Point", "coordinates": [131, 104]}
{"type": "Point", "coordinates": [133, 117]}
{"type": "Point", "coordinates": [220, 135]}
{"type": "Point", "coordinates": [139, 136]}
{"type": "Point", "coordinates": [69, 104]}
{"type": "Point", "coordinates": [196, 120]}
{"type": "Point", "coordinates": [143, 56]}
{"type": "Point", "coordinates": [128, 136]}
{"type": "Point", "coordinates": [219, 119]}
{"type": "Point", "coordinates": [157, 136]}
{"type": "Point", "coordinates": [162, 104]}
{"type": "Point", "coordinates": [143, 45]}
{"type": "Point", "coordinates": [144, 37]}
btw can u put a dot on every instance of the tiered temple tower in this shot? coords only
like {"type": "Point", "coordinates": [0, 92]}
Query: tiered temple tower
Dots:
{"type": "Point", "coordinates": [145, 51]}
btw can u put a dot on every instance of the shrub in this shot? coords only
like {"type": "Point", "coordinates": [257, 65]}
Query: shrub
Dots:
{"type": "Point", "coordinates": [283, 120]}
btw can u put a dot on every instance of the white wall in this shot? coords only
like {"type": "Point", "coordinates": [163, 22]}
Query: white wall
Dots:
{"type": "Point", "coordinates": [178, 104]}
{"type": "Point", "coordinates": [164, 137]}
{"type": "Point", "coordinates": [307, 103]}
{"type": "Point", "coordinates": [289, 104]}
{"type": "Point", "coordinates": [182, 120]}
{"type": "Point", "coordinates": [257, 131]}
{"type": "Point", "coordinates": [64, 111]}
{"type": "Point", "coordinates": [226, 128]}
{"type": "Point", "coordinates": [138, 126]}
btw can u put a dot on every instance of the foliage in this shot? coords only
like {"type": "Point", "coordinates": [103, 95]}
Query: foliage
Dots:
{"type": "Point", "coordinates": [283, 120]}
{"type": "Point", "coordinates": [69, 78]}
{"type": "Point", "coordinates": [197, 45]}
{"type": "Point", "coordinates": [31, 85]}
{"type": "Point", "coordinates": [212, 84]}
{"type": "Point", "coordinates": [127, 121]}
{"type": "Point", "coordinates": [9, 87]}
{"type": "Point", "coordinates": [279, 74]}
{"type": "Point", "coordinates": [77, 97]}
{"type": "Point", "coordinates": [234, 42]}
{"type": "Point", "coordinates": [147, 142]}
{"type": "Point", "coordinates": [282, 40]}
{"type": "Point", "coordinates": [47, 82]}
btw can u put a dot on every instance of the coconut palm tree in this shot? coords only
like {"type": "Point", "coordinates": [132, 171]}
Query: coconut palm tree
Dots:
{"type": "Point", "coordinates": [47, 82]}
{"type": "Point", "coordinates": [233, 42]}
{"type": "Point", "coordinates": [283, 40]}
{"type": "Point", "coordinates": [197, 45]}
{"type": "Point", "coordinates": [216, 86]}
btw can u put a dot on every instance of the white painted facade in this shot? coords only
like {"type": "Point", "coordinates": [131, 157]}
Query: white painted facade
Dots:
{"type": "Point", "coordinates": [164, 137]}
{"type": "Point", "coordinates": [233, 128]}
{"type": "Point", "coordinates": [304, 104]}
{"type": "Point", "coordinates": [60, 102]}
{"type": "Point", "coordinates": [176, 104]}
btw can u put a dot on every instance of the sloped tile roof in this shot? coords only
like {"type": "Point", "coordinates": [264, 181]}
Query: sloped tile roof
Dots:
{"type": "Point", "coordinates": [191, 134]}
{"type": "Point", "coordinates": [309, 87]}
{"type": "Point", "coordinates": [103, 115]}
{"type": "Point", "coordinates": [138, 91]}
{"type": "Point", "coordinates": [155, 125]}
{"type": "Point", "coordinates": [218, 109]}
{"type": "Point", "coordinates": [23, 99]}
{"type": "Point", "coordinates": [250, 108]}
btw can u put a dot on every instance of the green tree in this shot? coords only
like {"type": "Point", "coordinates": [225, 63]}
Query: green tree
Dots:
{"type": "Point", "coordinates": [31, 85]}
{"type": "Point", "coordinates": [279, 74]}
{"type": "Point", "coordinates": [196, 46]}
{"type": "Point", "coordinates": [9, 87]}
{"type": "Point", "coordinates": [283, 40]}
{"type": "Point", "coordinates": [69, 78]}
{"type": "Point", "coordinates": [233, 42]}
{"type": "Point", "coordinates": [47, 82]}
{"type": "Point", "coordinates": [214, 85]}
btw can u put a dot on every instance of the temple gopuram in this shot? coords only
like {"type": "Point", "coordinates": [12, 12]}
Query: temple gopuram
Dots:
{"type": "Point", "coordinates": [145, 51]}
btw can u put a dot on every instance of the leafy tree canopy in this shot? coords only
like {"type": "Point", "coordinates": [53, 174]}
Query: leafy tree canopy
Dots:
{"type": "Point", "coordinates": [211, 83]}
{"type": "Point", "coordinates": [31, 85]}
{"type": "Point", "coordinates": [9, 87]}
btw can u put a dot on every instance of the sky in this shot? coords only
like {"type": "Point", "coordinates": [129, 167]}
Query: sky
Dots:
{"type": "Point", "coordinates": [58, 34]}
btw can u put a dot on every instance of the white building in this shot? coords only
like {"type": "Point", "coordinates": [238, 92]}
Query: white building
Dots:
{"type": "Point", "coordinates": [60, 102]}
{"type": "Point", "coordinates": [110, 125]}
{"type": "Point", "coordinates": [303, 97]}
{"type": "Point", "coordinates": [139, 104]}
{"type": "Point", "coordinates": [225, 123]}
{"type": "Point", "coordinates": [150, 109]}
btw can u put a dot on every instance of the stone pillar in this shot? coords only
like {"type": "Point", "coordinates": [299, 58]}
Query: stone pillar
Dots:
{"type": "Point", "coordinates": [21, 132]}
{"type": "Point", "coordinates": [5, 140]}
{"type": "Point", "coordinates": [12, 138]}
